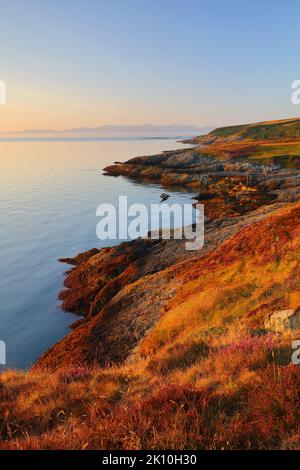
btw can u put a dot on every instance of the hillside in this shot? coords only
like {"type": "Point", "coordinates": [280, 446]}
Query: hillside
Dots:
{"type": "Point", "coordinates": [176, 349]}
{"type": "Point", "coordinates": [208, 375]}
{"type": "Point", "coordinates": [253, 149]}
{"type": "Point", "coordinates": [287, 129]}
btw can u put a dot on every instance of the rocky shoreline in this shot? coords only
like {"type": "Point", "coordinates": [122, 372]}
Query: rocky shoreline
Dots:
{"type": "Point", "coordinates": [121, 292]}
{"type": "Point", "coordinates": [179, 349]}
{"type": "Point", "coordinates": [230, 182]}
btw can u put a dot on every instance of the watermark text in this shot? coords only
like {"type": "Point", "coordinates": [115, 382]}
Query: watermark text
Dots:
{"type": "Point", "coordinates": [128, 222]}
{"type": "Point", "coordinates": [2, 92]}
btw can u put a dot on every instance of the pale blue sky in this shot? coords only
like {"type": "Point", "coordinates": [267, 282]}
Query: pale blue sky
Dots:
{"type": "Point", "coordinates": [90, 62]}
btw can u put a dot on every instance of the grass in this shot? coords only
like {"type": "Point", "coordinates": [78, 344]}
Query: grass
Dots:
{"type": "Point", "coordinates": [273, 130]}
{"type": "Point", "coordinates": [275, 142]}
{"type": "Point", "coordinates": [207, 375]}
{"type": "Point", "coordinates": [252, 409]}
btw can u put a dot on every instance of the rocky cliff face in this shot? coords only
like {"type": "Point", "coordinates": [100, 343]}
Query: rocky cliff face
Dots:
{"type": "Point", "coordinates": [121, 292]}
{"type": "Point", "coordinates": [236, 170]}
{"type": "Point", "coordinates": [178, 349]}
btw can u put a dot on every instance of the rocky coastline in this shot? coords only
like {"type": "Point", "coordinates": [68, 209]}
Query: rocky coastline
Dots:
{"type": "Point", "coordinates": [177, 349]}
{"type": "Point", "coordinates": [121, 292]}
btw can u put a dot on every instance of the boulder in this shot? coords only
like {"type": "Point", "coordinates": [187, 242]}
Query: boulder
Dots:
{"type": "Point", "coordinates": [283, 320]}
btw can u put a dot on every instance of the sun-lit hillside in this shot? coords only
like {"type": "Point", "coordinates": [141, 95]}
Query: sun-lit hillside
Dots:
{"type": "Point", "coordinates": [209, 375]}
{"type": "Point", "coordinates": [268, 130]}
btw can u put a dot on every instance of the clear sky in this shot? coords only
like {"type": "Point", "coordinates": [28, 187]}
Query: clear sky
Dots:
{"type": "Point", "coordinates": [71, 63]}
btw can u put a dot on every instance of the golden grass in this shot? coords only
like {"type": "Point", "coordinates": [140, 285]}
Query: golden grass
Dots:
{"type": "Point", "coordinates": [207, 378]}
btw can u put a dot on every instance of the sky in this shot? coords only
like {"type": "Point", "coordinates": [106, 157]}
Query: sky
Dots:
{"type": "Point", "coordinates": [73, 63]}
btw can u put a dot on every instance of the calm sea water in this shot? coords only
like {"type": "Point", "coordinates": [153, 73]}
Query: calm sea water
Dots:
{"type": "Point", "coordinates": [49, 192]}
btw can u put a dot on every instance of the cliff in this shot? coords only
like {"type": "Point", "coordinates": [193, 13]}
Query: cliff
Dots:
{"type": "Point", "coordinates": [235, 169]}
{"type": "Point", "coordinates": [178, 349]}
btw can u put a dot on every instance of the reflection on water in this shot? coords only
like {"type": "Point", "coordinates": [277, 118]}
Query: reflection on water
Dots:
{"type": "Point", "coordinates": [144, 182]}
{"type": "Point", "coordinates": [49, 192]}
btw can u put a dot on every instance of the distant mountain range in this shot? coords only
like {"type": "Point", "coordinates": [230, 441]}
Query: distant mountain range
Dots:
{"type": "Point", "coordinates": [107, 130]}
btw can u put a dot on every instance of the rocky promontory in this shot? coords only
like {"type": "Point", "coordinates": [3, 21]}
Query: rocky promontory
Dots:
{"type": "Point", "coordinates": [120, 292]}
{"type": "Point", "coordinates": [235, 170]}
{"type": "Point", "coordinates": [175, 348]}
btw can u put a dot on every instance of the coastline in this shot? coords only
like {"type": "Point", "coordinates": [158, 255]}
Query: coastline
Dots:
{"type": "Point", "coordinates": [120, 311]}
{"type": "Point", "coordinates": [177, 349]}
{"type": "Point", "coordinates": [128, 284]}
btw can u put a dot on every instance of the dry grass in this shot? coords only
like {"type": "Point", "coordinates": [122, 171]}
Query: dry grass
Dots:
{"type": "Point", "coordinates": [249, 410]}
{"type": "Point", "coordinates": [207, 377]}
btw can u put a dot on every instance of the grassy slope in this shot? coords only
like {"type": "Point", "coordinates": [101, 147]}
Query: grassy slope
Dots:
{"type": "Point", "coordinates": [202, 380]}
{"type": "Point", "coordinates": [259, 140]}
{"type": "Point", "coordinates": [274, 142]}
{"type": "Point", "coordinates": [283, 129]}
